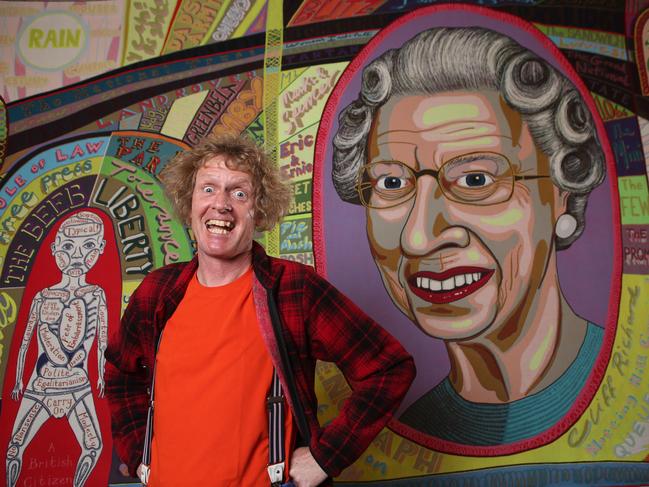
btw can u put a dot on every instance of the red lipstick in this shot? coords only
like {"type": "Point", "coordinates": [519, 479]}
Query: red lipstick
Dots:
{"type": "Point", "coordinates": [448, 286]}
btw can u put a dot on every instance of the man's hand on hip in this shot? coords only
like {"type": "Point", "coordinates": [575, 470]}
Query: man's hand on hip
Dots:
{"type": "Point", "coordinates": [305, 471]}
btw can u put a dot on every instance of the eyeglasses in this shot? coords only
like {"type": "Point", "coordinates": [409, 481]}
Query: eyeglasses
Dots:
{"type": "Point", "coordinates": [480, 178]}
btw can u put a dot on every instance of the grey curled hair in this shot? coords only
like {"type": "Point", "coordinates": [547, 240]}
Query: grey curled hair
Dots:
{"type": "Point", "coordinates": [473, 59]}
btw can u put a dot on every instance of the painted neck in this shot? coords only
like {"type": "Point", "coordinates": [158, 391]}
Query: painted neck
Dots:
{"type": "Point", "coordinates": [70, 282]}
{"type": "Point", "coordinates": [527, 352]}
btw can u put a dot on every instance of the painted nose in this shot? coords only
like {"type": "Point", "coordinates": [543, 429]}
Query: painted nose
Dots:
{"type": "Point", "coordinates": [429, 227]}
{"type": "Point", "coordinates": [77, 253]}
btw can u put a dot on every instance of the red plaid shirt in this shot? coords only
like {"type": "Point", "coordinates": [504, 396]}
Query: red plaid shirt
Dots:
{"type": "Point", "coordinates": [319, 323]}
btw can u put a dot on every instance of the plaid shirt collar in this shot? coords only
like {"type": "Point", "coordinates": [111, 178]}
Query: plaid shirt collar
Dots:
{"type": "Point", "coordinates": [265, 272]}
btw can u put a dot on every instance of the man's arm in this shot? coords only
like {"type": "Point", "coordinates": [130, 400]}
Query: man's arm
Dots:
{"type": "Point", "coordinates": [127, 381]}
{"type": "Point", "coordinates": [376, 366]}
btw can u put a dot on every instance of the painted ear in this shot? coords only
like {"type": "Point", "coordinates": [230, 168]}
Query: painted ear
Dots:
{"type": "Point", "coordinates": [52, 247]}
{"type": "Point", "coordinates": [102, 246]}
{"type": "Point", "coordinates": [560, 202]}
{"type": "Point", "coordinates": [565, 224]}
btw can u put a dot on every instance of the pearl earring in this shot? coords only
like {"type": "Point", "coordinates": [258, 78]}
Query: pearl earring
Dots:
{"type": "Point", "coordinates": [565, 226]}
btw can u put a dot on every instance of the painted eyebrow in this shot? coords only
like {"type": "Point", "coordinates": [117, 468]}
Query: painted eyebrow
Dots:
{"type": "Point", "coordinates": [428, 129]}
{"type": "Point", "coordinates": [476, 156]}
{"type": "Point", "coordinates": [413, 143]}
{"type": "Point", "coordinates": [388, 142]}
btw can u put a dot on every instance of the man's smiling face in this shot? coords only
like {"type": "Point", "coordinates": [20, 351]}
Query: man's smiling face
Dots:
{"type": "Point", "coordinates": [457, 268]}
{"type": "Point", "coordinates": [222, 214]}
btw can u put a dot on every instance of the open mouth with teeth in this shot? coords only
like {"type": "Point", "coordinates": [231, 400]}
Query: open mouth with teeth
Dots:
{"type": "Point", "coordinates": [219, 227]}
{"type": "Point", "coordinates": [448, 286]}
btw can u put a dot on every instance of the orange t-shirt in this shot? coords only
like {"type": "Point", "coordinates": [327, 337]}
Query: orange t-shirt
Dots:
{"type": "Point", "coordinates": [212, 378]}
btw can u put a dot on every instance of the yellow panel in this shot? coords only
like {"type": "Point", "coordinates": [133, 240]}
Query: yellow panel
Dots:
{"type": "Point", "coordinates": [181, 115]}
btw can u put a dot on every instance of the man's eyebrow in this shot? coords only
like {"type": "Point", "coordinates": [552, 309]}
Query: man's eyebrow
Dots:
{"type": "Point", "coordinates": [240, 182]}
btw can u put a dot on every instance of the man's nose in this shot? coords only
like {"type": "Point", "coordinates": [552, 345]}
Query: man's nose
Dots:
{"type": "Point", "coordinates": [221, 201]}
{"type": "Point", "coordinates": [429, 227]}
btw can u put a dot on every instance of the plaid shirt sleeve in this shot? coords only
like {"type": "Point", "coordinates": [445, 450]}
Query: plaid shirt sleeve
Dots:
{"type": "Point", "coordinates": [374, 363]}
{"type": "Point", "coordinates": [127, 373]}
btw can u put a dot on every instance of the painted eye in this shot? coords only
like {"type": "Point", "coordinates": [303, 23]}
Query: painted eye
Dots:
{"type": "Point", "coordinates": [89, 245]}
{"type": "Point", "coordinates": [391, 182]}
{"type": "Point", "coordinates": [67, 246]}
{"type": "Point", "coordinates": [475, 180]}
{"type": "Point", "coordinates": [240, 195]}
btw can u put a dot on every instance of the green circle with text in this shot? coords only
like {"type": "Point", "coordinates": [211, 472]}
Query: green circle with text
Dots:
{"type": "Point", "coordinates": [52, 41]}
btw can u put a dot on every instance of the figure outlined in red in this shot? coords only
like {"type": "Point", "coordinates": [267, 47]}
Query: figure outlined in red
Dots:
{"type": "Point", "coordinates": [66, 317]}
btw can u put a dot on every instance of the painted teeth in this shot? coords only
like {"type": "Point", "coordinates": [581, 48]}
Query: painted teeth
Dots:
{"type": "Point", "coordinates": [448, 284]}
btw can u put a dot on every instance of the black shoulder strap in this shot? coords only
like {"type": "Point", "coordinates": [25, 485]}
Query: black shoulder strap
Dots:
{"type": "Point", "coordinates": [298, 410]}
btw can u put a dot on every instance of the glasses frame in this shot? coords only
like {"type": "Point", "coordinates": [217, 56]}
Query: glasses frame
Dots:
{"type": "Point", "coordinates": [361, 186]}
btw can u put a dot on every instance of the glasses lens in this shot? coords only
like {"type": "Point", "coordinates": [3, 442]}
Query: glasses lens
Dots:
{"type": "Point", "coordinates": [386, 184]}
{"type": "Point", "coordinates": [483, 179]}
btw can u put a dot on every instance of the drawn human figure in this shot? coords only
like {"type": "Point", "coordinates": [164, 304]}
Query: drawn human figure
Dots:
{"type": "Point", "coordinates": [66, 318]}
{"type": "Point", "coordinates": [474, 159]}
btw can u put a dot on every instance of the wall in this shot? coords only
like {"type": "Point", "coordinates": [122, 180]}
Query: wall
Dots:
{"type": "Point", "coordinates": [533, 374]}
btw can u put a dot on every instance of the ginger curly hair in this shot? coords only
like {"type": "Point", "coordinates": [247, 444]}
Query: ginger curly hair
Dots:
{"type": "Point", "coordinates": [271, 194]}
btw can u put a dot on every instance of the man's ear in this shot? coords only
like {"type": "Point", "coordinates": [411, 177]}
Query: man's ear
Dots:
{"type": "Point", "coordinates": [256, 217]}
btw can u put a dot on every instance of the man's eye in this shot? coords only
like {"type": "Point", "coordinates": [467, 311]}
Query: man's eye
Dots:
{"type": "Point", "coordinates": [475, 180]}
{"type": "Point", "coordinates": [240, 195]}
{"type": "Point", "coordinates": [391, 182]}
{"type": "Point", "coordinates": [208, 189]}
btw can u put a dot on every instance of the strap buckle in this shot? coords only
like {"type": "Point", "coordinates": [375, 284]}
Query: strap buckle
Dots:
{"type": "Point", "coordinates": [276, 474]}
{"type": "Point", "coordinates": [145, 471]}
{"type": "Point", "coordinates": [271, 400]}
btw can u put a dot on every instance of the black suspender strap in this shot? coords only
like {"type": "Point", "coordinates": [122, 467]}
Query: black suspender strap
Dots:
{"type": "Point", "coordinates": [298, 411]}
{"type": "Point", "coordinates": [276, 433]}
{"type": "Point", "coordinates": [148, 434]}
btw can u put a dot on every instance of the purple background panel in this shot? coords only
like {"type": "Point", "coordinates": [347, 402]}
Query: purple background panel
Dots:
{"type": "Point", "coordinates": [586, 269]}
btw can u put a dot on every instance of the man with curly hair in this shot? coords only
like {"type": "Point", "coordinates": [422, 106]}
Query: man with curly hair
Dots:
{"type": "Point", "coordinates": [235, 320]}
